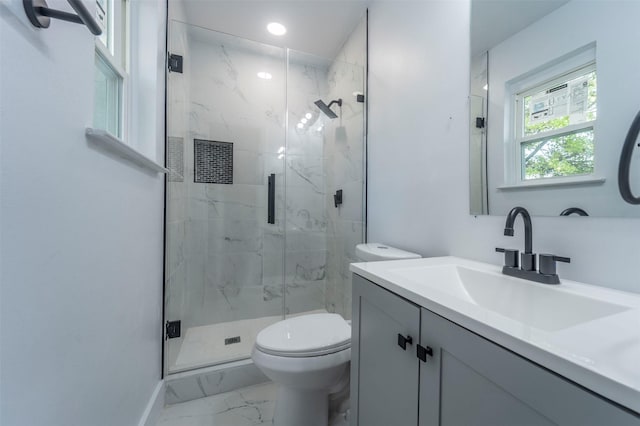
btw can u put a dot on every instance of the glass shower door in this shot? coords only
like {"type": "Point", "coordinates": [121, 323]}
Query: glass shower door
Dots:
{"type": "Point", "coordinates": [325, 177]}
{"type": "Point", "coordinates": [265, 195]}
{"type": "Point", "coordinates": [225, 151]}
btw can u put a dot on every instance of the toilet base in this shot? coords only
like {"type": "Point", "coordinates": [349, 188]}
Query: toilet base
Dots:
{"type": "Point", "coordinates": [295, 407]}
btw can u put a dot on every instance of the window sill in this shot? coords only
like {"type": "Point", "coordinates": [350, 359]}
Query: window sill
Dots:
{"type": "Point", "coordinates": [118, 147]}
{"type": "Point", "coordinates": [560, 182]}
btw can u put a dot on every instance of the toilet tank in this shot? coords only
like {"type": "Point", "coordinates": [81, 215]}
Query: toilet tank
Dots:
{"type": "Point", "coordinates": [372, 252]}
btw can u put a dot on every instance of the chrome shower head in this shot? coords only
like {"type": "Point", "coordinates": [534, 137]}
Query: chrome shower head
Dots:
{"type": "Point", "coordinates": [326, 109]}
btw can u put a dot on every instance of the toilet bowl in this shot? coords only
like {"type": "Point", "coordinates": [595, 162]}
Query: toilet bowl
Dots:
{"type": "Point", "coordinates": [307, 357]}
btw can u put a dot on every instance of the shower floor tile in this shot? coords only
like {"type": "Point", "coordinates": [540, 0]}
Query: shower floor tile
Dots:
{"type": "Point", "coordinates": [205, 345]}
{"type": "Point", "coordinates": [250, 406]}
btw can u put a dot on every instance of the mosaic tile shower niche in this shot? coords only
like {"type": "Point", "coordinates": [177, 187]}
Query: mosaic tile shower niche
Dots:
{"type": "Point", "coordinates": [213, 161]}
{"type": "Point", "coordinates": [175, 159]}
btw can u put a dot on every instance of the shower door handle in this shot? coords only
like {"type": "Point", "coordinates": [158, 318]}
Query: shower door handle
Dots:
{"type": "Point", "coordinates": [271, 198]}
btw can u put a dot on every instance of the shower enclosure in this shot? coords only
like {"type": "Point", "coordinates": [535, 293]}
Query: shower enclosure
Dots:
{"type": "Point", "coordinates": [255, 229]}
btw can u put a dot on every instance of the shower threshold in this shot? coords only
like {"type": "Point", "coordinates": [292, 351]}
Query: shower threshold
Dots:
{"type": "Point", "coordinates": [214, 344]}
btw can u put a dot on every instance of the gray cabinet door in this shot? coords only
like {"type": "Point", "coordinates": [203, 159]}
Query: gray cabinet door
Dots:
{"type": "Point", "coordinates": [472, 381]}
{"type": "Point", "coordinates": [384, 377]}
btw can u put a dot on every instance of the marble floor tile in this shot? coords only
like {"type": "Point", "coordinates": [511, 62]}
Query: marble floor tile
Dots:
{"type": "Point", "coordinates": [249, 406]}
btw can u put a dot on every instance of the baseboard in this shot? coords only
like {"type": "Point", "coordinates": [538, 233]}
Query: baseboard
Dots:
{"type": "Point", "coordinates": [154, 406]}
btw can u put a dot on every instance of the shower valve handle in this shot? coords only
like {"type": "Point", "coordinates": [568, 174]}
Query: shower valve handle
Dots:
{"type": "Point", "coordinates": [337, 198]}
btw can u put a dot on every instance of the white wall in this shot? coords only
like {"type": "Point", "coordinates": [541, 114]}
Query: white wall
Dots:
{"type": "Point", "coordinates": [81, 271]}
{"type": "Point", "coordinates": [418, 154]}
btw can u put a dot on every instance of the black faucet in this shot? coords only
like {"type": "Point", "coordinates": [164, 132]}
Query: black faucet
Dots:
{"type": "Point", "coordinates": [527, 270]}
{"type": "Point", "coordinates": [528, 262]}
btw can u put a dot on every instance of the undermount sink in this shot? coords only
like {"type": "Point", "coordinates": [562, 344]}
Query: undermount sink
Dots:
{"type": "Point", "coordinates": [536, 305]}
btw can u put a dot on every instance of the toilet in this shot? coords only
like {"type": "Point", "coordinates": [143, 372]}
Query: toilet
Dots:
{"type": "Point", "coordinates": [308, 356]}
{"type": "Point", "coordinates": [372, 252]}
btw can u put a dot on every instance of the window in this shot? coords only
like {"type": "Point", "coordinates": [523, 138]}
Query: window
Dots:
{"type": "Point", "coordinates": [107, 114]}
{"type": "Point", "coordinates": [554, 126]}
{"type": "Point", "coordinates": [111, 67]}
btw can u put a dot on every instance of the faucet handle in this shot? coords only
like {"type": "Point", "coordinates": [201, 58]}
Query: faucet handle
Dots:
{"type": "Point", "coordinates": [510, 257]}
{"type": "Point", "coordinates": [548, 263]}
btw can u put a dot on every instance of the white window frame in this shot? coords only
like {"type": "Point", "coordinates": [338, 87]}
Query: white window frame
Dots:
{"type": "Point", "coordinates": [557, 71]}
{"type": "Point", "coordinates": [139, 134]}
{"type": "Point", "coordinates": [520, 138]}
{"type": "Point", "coordinates": [116, 55]}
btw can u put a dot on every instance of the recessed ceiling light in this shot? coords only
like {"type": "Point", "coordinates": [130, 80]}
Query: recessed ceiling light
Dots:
{"type": "Point", "coordinates": [300, 125]}
{"type": "Point", "coordinates": [303, 121]}
{"type": "Point", "coordinates": [276, 28]}
{"type": "Point", "coordinates": [265, 75]}
{"type": "Point", "coordinates": [308, 115]}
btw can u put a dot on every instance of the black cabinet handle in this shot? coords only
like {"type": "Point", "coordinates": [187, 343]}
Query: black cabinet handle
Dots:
{"type": "Point", "coordinates": [271, 198]}
{"type": "Point", "coordinates": [422, 352]}
{"type": "Point", "coordinates": [403, 341]}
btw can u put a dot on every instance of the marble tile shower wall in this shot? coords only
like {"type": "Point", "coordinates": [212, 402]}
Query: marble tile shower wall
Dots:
{"type": "Point", "coordinates": [233, 256]}
{"type": "Point", "coordinates": [344, 154]}
{"type": "Point", "coordinates": [306, 216]}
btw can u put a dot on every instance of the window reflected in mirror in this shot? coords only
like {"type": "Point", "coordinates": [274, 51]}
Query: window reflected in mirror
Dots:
{"type": "Point", "coordinates": [553, 91]}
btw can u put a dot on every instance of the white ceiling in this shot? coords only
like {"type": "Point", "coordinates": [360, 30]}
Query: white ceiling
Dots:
{"type": "Point", "coordinates": [493, 21]}
{"type": "Point", "coordinates": [319, 27]}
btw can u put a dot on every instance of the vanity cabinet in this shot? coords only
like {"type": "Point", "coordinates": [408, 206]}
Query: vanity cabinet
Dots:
{"type": "Point", "coordinates": [462, 378]}
{"type": "Point", "coordinates": [387, 374]}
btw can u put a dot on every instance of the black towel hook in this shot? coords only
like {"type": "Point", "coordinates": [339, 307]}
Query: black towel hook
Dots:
{"type": "Point", "coordinates": [624, 183]}
{"type": "Point", "coordinates": [574, 210]}
{"type": "Point", "coordinates": [40, 15]}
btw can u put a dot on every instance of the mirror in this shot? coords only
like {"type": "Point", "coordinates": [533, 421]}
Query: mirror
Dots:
{"type": "Point", "coordinates": [554, 87]}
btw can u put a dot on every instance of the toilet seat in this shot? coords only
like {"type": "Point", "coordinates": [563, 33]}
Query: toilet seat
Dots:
{"type": "Point", "coordinates": [305, 336]}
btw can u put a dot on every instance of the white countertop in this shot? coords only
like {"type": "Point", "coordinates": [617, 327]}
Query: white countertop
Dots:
{"type": "Point", "coordinates": [602, 355]}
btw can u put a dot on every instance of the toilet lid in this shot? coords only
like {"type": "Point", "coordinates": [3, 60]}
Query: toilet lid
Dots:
{"type": "Point", "coordinates": [306, 335]}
